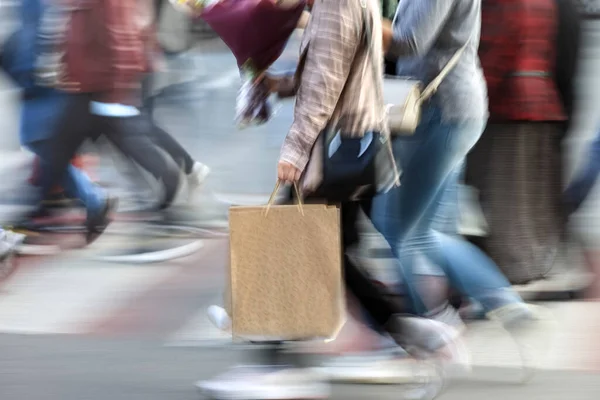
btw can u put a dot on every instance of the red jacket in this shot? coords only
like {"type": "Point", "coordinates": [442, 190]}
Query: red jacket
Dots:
{"type": "Point", "coordinates": [517, 54]}
{"type": "Point", "coordinates": [104, 50]}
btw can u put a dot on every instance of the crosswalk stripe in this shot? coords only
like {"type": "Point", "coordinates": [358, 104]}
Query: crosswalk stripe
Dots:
{"type": "Point", "coordinates": [66, 297]}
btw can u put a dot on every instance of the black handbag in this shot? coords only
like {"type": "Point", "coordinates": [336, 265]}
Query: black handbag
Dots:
{"type": "Point", "coordinates": [350, 166]}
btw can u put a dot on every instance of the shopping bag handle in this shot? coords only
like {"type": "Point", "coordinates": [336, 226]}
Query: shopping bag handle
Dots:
{"type": "Point", "coordinates": [276, 190]}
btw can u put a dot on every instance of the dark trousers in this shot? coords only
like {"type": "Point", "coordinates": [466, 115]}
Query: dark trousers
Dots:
{"type": "Point", "coordinates": [373, 298]}
{"type": "Point", "coordinates": [128, 134]}
{"type": "Point", "coordinates": [378, 305]}
{"type": "Point", "coordinates": [158, 135]}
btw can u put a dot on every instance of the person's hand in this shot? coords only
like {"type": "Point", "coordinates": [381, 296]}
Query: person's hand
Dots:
{"type": "Point", "coordinates": [271, 82]}
{"type": "Point", "coordinates": [387, 31]}
{"type": "Point", "coordinates": [287, 173]}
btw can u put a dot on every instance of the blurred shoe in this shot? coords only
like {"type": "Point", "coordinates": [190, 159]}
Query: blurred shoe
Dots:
{"type": "Point", "coordinates": [448, 315]}
{"type": "Point", "coordinates": [96, 223]}
{"type": "Point", "coordinates": [390, 367]}
{"type": "Point", "coordinates": [12, 239]}
{"type": "Point", "coordinates": [532, 329]}
{"type": "Point", "coordinates": [472, 311]}
{"type": "Point", "coordinates": [266, 383]}
{"type": "Point", "coordinates": [9, 242]}
{"type": "Point", "coordinates": [197, 177]}
{"type": "Point", "coordinates": [430, 340]}
{"type": "Point", "coordinates": [421, 337]}
{"type": "Point", "coordinates": [219, 318]}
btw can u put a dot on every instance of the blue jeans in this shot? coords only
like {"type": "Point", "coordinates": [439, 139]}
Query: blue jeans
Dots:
{"type": "Point", "coordinates": [76, 183]}
{"type": "Point", "coordinates": [430, 160]}
{"type": "Point", "coordinates": [583, 183]}
{"type": "Point", "coordinates": [446, 217]}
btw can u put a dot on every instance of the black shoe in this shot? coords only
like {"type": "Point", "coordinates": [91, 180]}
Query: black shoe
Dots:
{"type": "Point", "coordinates": [97, 223]}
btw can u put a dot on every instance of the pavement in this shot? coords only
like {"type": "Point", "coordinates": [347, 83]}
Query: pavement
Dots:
{"type": "Point", "coordinates": [67, 368]}
{"type": "Point", "coordinates": [73, 326]}
{"type": "Point", "coordinates": [75, 329]}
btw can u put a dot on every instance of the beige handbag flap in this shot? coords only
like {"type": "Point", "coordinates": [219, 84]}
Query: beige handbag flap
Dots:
{"type": "Point", "coordinates": [399, 88]}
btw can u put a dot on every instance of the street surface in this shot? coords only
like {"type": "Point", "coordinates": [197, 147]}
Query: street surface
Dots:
{"type": "Point", "coordinates": [73, 327]}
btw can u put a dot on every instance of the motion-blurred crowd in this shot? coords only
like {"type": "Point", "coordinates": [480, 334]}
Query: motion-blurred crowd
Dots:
{"type": "Point", "coordinates": [495, 123]}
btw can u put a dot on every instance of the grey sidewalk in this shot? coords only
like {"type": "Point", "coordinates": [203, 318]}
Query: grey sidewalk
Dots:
{"type": "Point", "coordinates": [67, 368]}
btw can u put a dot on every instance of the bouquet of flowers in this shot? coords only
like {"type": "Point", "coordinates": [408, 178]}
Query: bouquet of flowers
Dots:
{"type": "Point", "coordinates": [256, 31]}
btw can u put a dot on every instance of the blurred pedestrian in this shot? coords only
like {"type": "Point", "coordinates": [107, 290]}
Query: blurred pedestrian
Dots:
{"type": "Point", "coordinates": [101, 70]}
{"type": "Point", "coordinates": [194, 171]}
{"type": "Point", "coordinates": [517, 164]}
{"type": "Point", "coordinates": [41, 107]}
{"type": "Point", "coordinates": [424, 36]}
{"type": "Point", "coordinates": [340, 70]}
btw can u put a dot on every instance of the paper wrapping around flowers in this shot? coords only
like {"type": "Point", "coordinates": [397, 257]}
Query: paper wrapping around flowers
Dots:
{"type": "Point", "coordinates": [253, 103]}
{"type": "Point", "coordinates": [254, 30]}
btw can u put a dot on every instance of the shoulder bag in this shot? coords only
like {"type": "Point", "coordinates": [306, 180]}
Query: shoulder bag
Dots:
{"type": "Point", "coordinates": [404, 114]}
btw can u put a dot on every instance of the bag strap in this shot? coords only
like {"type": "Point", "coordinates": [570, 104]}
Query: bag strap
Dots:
{"type": "Point", "coordinates": [437, 81]}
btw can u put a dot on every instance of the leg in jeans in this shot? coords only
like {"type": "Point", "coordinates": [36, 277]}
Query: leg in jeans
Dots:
{"type": "Point", "coordinates": [405, 214]}
{"type": "Point", "coordinates": [371, 297]}
{"type": "Point", "coordinates": [583, 183]}
{"type": "Point", "coordinates": [75, 182]}
{"type": "Point", "coordinates": [130, 136]}
{"type": "Point", "coordinates": [446, 217]}
{"type": "Point", "coordinates": [74, 125]}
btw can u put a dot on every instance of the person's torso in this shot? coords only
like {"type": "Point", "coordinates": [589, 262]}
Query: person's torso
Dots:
{"type": "Point", "coordinates": [101, 41]}
{"type": "Point", "coordinates": [360, 107]}
{"type": "Point", "coordinates": [529, 91]}
{"type": "Point", "coordinates": [462, 94]}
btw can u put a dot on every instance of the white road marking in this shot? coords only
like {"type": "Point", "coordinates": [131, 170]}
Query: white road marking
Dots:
{"type": "Point", "coordinates": [67, 297]}
{"type": "Point", "coordinates": [155, 256]}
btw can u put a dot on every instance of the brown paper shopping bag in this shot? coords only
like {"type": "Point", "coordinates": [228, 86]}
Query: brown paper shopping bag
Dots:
{"type": "Point", "coordinates": [286, 272]}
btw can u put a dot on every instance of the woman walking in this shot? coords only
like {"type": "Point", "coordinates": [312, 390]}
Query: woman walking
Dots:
{"type": "Point", "coordinates": [424, 37]}
{"type": "Point", "coordinates": [517, 163]}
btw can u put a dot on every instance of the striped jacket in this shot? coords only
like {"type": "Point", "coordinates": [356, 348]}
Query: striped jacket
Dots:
{"type": "Point", "coordinates": [103, 49]}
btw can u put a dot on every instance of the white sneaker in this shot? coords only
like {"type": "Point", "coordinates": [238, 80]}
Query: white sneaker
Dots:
{"type": "Point", "coordinates": [197, 177]}
{"type": "Point", "coordinates": [532, 328]}
{"type": "Point", "coordinates": [219, 318]}
{"type": "Point", "coordinates": [266, 383]}
{"type": "Point", "coordinates": [435, 341]}
{"type": "Point", "coordinates": [11, 239]}
{"type": "Point", "coordinates": [378, 369]}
